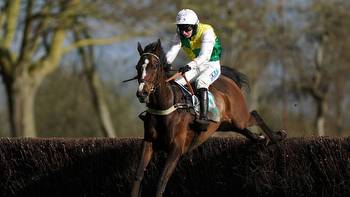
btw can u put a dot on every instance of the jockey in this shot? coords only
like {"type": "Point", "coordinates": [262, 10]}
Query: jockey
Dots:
{"type": "Point", "coordinates": [203, 47]}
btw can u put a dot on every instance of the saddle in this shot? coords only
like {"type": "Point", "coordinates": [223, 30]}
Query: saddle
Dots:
{"type": "Point", "coordinates": [193, 102]}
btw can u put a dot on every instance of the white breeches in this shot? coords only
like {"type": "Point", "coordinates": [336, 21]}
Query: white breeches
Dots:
{"type": "Point", "coordinates": [203, 75]}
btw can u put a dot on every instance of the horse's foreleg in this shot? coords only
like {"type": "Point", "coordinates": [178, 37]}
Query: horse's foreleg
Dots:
{"type": "Point", "coordinates": [171, 161]}
{"type": "Point", "coordinates": [147, 152]}
{"type": "Point", "coordinates": [273, 136]}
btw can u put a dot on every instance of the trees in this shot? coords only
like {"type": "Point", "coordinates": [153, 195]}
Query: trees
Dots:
{"type": "Point", "coordinates": [38, 54]}
{"type": "Point", "coordinates": [322, 65]}
{"type": "Point", "coordinates": [43, 27]}
{"type": "Point", "coordinates": [97, 95]}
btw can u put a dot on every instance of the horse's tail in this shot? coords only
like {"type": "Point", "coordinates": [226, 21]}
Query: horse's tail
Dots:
{"type": "Point", "coordinates": [239, 78]}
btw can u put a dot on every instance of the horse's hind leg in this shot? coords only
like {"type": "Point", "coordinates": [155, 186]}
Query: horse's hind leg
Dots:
{"type": "Point", "coordinates": [252, 136]}
{"type": "Point", "coordinates": [226, 126]}
{"type": "Point", "coordinates": [273, 136]}
{"type": "Point", "coordinates": [147, 152]}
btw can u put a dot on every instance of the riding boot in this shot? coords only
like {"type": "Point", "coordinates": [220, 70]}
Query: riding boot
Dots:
{"type": "Point", "coordinates": [203, 122]}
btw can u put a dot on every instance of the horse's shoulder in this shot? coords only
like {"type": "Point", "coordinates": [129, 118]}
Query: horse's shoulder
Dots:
{"type": "Point", "coordinates": [179, 92]}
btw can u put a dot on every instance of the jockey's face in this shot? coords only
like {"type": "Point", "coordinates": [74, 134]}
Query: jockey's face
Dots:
{"type": "Point", "coordinates": [186, 30]}
{"type": "Point", "coordinates": [187, 34]}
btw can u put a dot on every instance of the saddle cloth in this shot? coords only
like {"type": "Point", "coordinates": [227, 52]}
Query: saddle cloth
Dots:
{"type": "Point", "coordinates": [213, 111]}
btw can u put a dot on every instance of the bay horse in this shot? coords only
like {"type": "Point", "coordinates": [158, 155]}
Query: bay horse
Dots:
{"type": "Point", "coordinates": [168, 126]}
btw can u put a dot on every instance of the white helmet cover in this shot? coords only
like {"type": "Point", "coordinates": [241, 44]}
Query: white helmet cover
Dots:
{"type": "Point", "coordinates": [187, 16]}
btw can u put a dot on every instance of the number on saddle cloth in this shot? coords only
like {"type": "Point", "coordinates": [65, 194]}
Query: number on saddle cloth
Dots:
{"type": "Point", "coordinates": [213, 111]}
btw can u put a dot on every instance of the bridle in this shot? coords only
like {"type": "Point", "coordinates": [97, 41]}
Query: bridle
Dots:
{"type": "Point", "coordinates": [152, 54]}
{"type": "Point", "coordinates": [142, 81]}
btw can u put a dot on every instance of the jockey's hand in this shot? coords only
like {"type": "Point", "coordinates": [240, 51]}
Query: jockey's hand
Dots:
{"type": "Point", "coordinates": [184, 69]}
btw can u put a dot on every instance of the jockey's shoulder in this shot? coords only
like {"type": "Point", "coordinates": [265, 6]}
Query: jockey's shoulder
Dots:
{"type": "Point", "coordinates": [206, 25]}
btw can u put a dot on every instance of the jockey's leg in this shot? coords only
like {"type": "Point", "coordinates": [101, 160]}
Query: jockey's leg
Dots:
{"type": "Point", "coordinates": [210, 72]}
{"type": "Point", "coordinates": [203, 103]}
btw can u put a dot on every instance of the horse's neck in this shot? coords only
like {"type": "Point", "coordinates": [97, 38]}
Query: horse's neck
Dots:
{"type": "Point", "coordinates": [162, 97]}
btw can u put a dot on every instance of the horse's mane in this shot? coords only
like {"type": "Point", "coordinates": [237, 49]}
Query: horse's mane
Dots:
{"type": "Point", "coordinates": [239, 78]}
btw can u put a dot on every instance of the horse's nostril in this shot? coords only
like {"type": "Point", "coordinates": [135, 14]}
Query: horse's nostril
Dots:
{"type": "Point", "coordinates": [141, 93]}
{"type": "Point", "coordinates": [142, 96]}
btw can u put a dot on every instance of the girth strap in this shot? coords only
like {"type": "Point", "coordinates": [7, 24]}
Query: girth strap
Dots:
{"type": "Point", "coordinates": [168, 111]}
{"type": "Point", "coordinates": [161, 112]}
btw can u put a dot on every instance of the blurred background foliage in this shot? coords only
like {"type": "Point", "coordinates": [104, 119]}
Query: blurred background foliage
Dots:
{"type": "Point", "coordinates": [62, 62]}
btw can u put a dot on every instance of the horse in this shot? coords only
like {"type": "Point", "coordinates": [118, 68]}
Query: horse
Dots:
{"type": "Point", "coordinates": [168, 125]}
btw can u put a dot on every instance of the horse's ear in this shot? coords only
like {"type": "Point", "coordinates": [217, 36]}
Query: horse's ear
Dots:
{"type": "Point", "coordinates": [139, 48]}
{"type": "Point", "coordinates": [158, 44]}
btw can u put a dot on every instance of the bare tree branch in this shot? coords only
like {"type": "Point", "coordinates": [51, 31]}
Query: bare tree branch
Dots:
{"type": "Point", "coordinates": [50, 62]}
{"type": "Point", "coordinates": [25, 52]}
{"type": "Point", "coordinates": [2, 16]}
{"type": "Point", "coordinates": [101, 41]}
{"type": "Point", "coordinates": [12, 12]}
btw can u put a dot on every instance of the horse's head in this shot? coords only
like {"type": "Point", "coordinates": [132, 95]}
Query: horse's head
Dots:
{"type": "Point", "coordinates": [148, 69]}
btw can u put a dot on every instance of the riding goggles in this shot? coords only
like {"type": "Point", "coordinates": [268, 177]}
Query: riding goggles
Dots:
{"type": "Point", "coordinates": [185, 27]}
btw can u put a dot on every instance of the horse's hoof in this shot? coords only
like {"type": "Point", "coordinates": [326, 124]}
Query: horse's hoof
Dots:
{"type": "Point", "coordinates": [268, 141]}
{"type": "Point", "coordinates": [260, 138]}
{"type": "Point", "coordinates": [278, 136]}
{"type": "Point", "coordinates": [282, 134]}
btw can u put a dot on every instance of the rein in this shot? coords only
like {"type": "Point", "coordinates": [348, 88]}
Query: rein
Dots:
{"type": "Point", "coordinates": [178, 74]}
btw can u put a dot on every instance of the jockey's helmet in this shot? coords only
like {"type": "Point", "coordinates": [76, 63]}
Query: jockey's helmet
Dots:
{"type": "Point", "coordinates": [187, 16]}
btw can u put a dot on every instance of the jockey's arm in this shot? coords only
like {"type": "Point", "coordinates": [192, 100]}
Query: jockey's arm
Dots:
{"type": "Point", "coordinates": [174, 49]}
{"type": "Point", "coordinates": [208, 41]}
